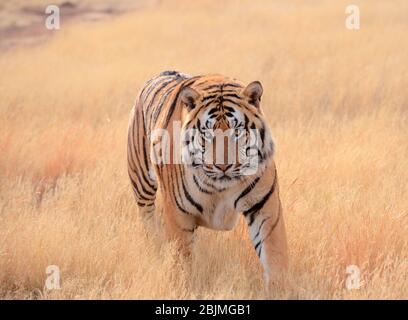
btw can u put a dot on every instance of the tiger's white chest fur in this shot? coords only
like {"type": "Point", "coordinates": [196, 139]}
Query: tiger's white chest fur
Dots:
{"type": "Point", "coordinates": [223, 217]}
{"type": "Point", "coordinates": [219, 209]}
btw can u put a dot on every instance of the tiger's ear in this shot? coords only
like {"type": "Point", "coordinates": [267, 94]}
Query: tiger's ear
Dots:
{"type": "Point", "coordinates": [188, 97]}
{"type": "Point", "coordinates": [254, 92]}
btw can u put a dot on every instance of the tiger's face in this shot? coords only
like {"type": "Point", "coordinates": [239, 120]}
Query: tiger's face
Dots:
{"type": "Point", "coordinates": [225, 134]}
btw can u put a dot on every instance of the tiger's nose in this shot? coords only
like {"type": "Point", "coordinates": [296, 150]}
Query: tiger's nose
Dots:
{"type": "Point", "coordinates": [223, 167]}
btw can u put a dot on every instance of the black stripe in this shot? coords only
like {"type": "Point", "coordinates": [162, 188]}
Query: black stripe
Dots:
{"type": "Point", "coordinates": [176, 180]}
{"type": "Point", "coordinates": [246, 191]}
{"type": "Point", "coordinates": [222, 91]}
{"type": "Point", "coordinates": [141, 204]}
{"type": "Point", "coordinates": [260, 250]}
{"type": "Point", "coordinates": [246, 121]}
{"type": "Point", "coordinates": [145, 151]}
{"type": "Point", "coordinates": [159, 107]}
{"type": "Point", "coordinates": [208, 97]}
{"type": "Point", "coordinates": [275, 224]}
{"type": "Point", "coordinates": [254, 210]}
{"type": "Point", "coordinates": [212, 186]}
{"type": "Point", "coordinates": [222, 86]}
{"type": "Point", "coordinates": [200, 187]}
{"type": "Point", "coordinates": [153, 185]}
{"type": "Point", "coordinates": [232, 95]}
{"type": "Point", "coordinates": [149, 109]}
{"type": "Point", "coordinates": [131, 162]}
{"type": "Point", "coordinates": [146, 192]}
{"type": "Point", "coordinates": [260, 226]}
{"type": "Point", "coordinates": [146, 179]}
{"type": "Point", "coordinates": [213, 110]}
{"type": "Point", "coordinates": [174, 103]}
{"type": "Point", "coordinates": [180, 207]}
{"type": "Point", "coordinates": [257, 245]}
{"type": "Point", "coordinates": [146, 86]}
{"type": "Point", "coordinates": [262, 134]}
{"type": "Point", "coordinates": [205, 105]}
{"type": "Point", "coordinates": [230, 109]}
{"type": "Point", "coordinates": [272, 228]}
{"type": "Point", "coordinates": [151, 87]}
{"type": "Point", "coordinates": [172, 107]}
{"type": "Point", "coordinates": [137, 190]}
{"type": "Point", "coordinates": [235, 85]}
{"type": "Point", "coordinates": [159, 89]}
{"type": "Point", "coordinates": [231, 101]}
{"type": "Point", "coordinates": [211, 86]}
{"type": "Point", "coordinates": [170, 183]}
{"type": "Point", "coordinates": [189, 198]}
{"type": "Point", "coordinates": [136, 166]}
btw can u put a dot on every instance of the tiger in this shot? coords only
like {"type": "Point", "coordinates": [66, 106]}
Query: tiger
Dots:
{"type": "Point", "coordinates": [200, 191]}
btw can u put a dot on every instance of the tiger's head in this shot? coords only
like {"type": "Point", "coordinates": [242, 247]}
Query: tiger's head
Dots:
{"type": "Point", "coordinates": [224, 131]}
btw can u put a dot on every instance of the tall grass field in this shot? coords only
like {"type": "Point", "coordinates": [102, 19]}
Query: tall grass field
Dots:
{"type": "Point", "coordinates": [336, 101]}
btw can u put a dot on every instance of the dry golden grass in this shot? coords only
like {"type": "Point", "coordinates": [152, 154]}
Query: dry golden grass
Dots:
{"type": "Point", "coordinates": [337, 103]}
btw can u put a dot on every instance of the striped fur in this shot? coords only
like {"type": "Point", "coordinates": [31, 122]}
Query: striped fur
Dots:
{"type": "Point", "coordinates": [195, 192]}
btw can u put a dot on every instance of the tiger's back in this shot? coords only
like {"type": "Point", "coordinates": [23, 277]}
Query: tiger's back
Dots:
{"type": "Point", "coordinates": [149, 104]}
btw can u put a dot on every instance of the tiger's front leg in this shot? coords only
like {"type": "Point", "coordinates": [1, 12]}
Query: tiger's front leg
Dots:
{"type": "Point", "coordinates": [180, 227]}
{"type": "Point", "coordinates": [267, 232]}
